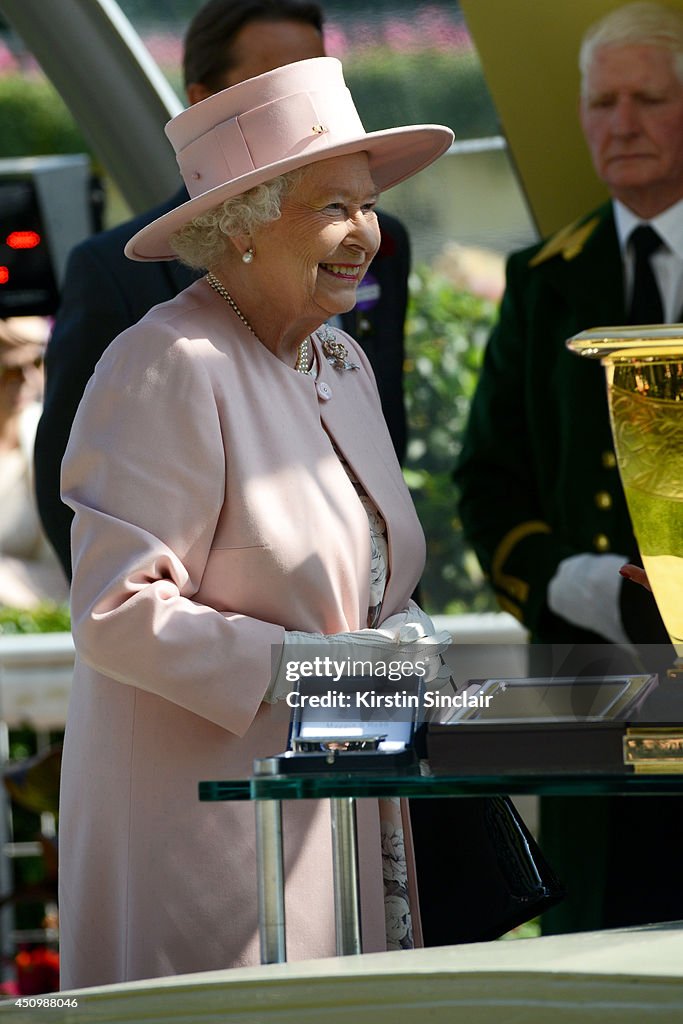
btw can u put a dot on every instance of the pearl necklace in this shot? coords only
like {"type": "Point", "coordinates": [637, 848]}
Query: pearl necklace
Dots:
{"type": "Point", "coordinates": [302, 360]}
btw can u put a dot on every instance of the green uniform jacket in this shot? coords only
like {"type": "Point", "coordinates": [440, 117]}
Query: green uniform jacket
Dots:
{"type": "Point", "coordinates": [537, 473]}
{"type": "Point", "coordinates": [539, 483]}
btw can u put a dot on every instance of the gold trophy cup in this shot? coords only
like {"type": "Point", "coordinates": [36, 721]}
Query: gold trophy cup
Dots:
{"type": "Point", "coordinates": [644, 370]}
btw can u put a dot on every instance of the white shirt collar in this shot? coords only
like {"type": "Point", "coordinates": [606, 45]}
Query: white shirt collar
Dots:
{"type": "Point", "coordinates": [669, 224]}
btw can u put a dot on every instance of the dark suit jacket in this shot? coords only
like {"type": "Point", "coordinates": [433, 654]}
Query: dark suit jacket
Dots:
{"type": "Point", "coordinates": [537, 472]}
{"type": "Point", "coordinates": [104, 293]}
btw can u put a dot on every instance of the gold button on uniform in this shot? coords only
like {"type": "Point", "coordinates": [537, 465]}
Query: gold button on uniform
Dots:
{"type": "Point", "coordinates": [603, 499]}
{"type": "Point", "coordinates": [609, 460]}
{"type": "Point", "coordinates": [601, 542]}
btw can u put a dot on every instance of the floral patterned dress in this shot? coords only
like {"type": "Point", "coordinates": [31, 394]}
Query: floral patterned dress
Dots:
{"type": "Point", "coordinates": [400, 887]}
{"type": "Point", "coordinates": [397, 895]}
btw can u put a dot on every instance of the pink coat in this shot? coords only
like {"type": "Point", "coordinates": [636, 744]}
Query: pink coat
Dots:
{"type": "Point", "coordinates": [212, 514]}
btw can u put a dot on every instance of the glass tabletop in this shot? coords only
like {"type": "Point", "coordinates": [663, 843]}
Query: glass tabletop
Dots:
{"type": "Point", "coordinates": [339, 784]}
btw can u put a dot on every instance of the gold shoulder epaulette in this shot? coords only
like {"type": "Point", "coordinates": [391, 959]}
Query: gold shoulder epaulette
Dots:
{"type": "Point", "coordinates": [569, 241]}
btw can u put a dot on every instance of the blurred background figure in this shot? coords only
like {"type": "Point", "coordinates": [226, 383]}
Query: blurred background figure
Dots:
{"type": "Point", "coordinates": [29, 573]}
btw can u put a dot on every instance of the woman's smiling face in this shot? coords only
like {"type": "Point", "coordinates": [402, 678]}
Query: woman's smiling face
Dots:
{"type": "Point", "coordinates": [310, 261]}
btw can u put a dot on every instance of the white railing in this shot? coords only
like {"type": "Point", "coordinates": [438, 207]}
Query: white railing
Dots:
{"type": "Point", "coordinates": [35, 679]}
{"type": "Point", "coordinates": [36, 668]}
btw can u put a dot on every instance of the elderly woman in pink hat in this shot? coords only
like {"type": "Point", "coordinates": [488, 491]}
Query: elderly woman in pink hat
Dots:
{"type": "Point", "coordinates": [236, 494]}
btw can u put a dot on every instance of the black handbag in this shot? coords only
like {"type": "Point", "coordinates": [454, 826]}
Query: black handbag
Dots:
{"type": "Point", "coordinates": [480, 872]}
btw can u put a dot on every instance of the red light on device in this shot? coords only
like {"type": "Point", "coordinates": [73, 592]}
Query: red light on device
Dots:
{"type": "Point", "coordinates": [23, 239]}
{"type": "Point", "coordinates": [4, 275]}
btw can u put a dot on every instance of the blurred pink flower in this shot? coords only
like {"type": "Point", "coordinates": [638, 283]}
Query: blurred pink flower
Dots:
{"type": "Point", "coordinates": [11, 62]}
{"type": "Point", "coordinates": [401, 35]}
{"type": "Point", "coordinates": [166, 49]}
{"type": "Point", "coordinates": [336, 43]}
{"type": "Point", "coordinates": [431, 27]}
{"type": "Point", "coordinates": [8, 62]}
{"type": "Point", "coordinates": [437, 29]}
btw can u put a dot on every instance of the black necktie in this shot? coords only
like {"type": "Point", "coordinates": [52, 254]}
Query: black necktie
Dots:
{"type": "Point", "coordinates": [646, 301]}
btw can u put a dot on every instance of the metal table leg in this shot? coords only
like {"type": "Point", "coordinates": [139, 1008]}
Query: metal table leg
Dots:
{"type": "Point", "coordinates": [271, 881]}
{"type": "Point", "coordinates": [271, 876]}
{"type": "Point", "coordinates": [345, 873]}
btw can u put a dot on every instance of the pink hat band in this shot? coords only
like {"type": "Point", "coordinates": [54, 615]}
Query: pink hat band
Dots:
{"type": "Point", "coordinates": [266, 126]}
{"type": "Point", "coordinates": [289, 127]}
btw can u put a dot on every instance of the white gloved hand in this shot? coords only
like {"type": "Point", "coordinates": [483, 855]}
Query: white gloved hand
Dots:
{"type": "Point", "coordinates": [369, 645]}
{"type": "Point", "coordinates": [410, 624]}
{"type": "Point", "coordinates": [585, 590]}
{"type": "Point", "coordinates": [414, 627]}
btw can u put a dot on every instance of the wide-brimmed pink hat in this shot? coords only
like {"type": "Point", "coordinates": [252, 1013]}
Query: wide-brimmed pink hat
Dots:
{"type": "Point", "coordinates": [266, 126]}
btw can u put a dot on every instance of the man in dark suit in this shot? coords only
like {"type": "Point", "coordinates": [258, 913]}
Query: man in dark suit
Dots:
{"type": "Point", "coordinates": [541, 499]}
{"type": "Point", "coordinates": [104, 292]}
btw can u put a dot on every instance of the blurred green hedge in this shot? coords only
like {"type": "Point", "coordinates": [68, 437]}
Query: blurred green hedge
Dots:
{"type": "Point", "coordinates": [389, 89]}
{"type": "Point", "coordinates": [34, 121]}
{"type": "Point", "coordinates": [432, 86]}
{"type": "Point", "coordinates": [446, 332]}
{"type": "Point", "coordinates": [45, 618]}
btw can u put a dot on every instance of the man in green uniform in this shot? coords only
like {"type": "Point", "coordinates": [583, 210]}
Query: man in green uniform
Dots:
{"type": "Point", "coordinates": [541, 500]}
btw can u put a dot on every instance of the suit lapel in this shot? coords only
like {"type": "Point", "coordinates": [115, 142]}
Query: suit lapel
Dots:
{"type": "Point", "coordinates": [586, 290]}
{"type": "Point", "coordinates": [591, 280]}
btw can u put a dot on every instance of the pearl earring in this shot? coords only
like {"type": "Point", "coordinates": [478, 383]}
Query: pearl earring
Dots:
{"type": "Point", "coordinates": [248, 256]}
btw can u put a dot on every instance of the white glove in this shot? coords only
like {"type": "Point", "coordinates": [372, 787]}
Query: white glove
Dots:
{"type": "Point", "coordinates": [369, 645]}
{"type": "Point", "coordinates": [415, 628]}
{"type": "Point", "coordinates": [585, 590]}
{"type": "Point", "coordinates": [410, 624]}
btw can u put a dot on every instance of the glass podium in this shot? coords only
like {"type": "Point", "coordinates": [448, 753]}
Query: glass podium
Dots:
{"type": "Point", "coordinates": [267, 788]}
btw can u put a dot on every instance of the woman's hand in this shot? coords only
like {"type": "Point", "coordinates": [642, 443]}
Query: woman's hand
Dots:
{"type": "Point", "coordinates": [405, 643]}
{"type": "Point", "coordinates": [408, 625]}
{"type": "Point", "coordinates": [635, 573]}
